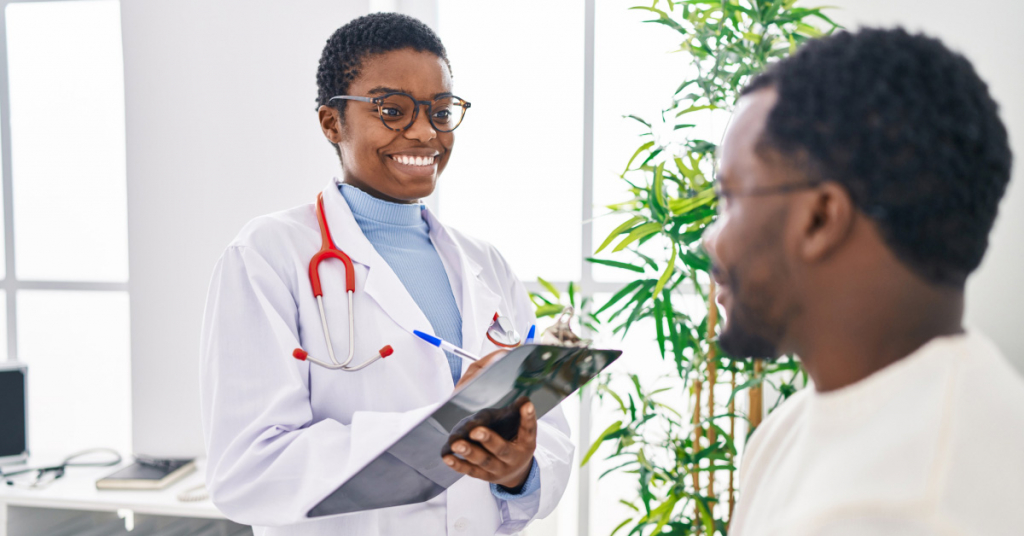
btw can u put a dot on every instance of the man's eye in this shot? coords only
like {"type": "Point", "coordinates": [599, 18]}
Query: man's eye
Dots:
{"type": "Point", "coordinates": [443, 114]}
{"type": "Point", "coordinates": [391, 112]}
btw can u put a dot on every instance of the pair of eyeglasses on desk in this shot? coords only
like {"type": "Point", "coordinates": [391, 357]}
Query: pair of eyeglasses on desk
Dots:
{"type": "Point", "coordinates": [41, 477]}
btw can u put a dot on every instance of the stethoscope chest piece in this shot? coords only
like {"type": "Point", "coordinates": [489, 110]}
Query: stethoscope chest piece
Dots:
{"type": "Point", "coordinates": [502, 333]}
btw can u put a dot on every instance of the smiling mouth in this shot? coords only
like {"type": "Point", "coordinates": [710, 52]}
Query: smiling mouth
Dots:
{"type": "Point", "coordinates": [409, 160]}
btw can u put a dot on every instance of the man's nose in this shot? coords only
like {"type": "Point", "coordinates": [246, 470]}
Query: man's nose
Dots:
{"type": "Point", "coordinates": [708, 239]}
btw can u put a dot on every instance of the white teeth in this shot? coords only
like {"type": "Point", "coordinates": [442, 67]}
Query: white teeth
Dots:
{"type": "Point", "coordinates": [413, 160]}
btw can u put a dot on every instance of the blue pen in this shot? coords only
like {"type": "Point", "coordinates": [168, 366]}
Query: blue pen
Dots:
{"type": "Point", "coordinates": [445, 345]}
{"type": "Point", "coordinates": [530, 334]}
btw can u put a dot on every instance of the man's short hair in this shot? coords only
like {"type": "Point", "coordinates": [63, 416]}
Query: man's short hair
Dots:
{"type": "Point", "coordinates": [909, 129]}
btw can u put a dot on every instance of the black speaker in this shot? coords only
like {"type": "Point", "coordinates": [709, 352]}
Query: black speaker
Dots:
{"type": "Point", "coordinates": [13, 411]}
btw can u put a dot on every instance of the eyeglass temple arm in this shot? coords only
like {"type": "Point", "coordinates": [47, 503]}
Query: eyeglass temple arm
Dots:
{"type": "Point", "coordinates": [351, 97]}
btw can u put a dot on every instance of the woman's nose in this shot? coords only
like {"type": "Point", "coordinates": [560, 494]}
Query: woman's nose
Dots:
{"type": "Point", "coordinates": [421, 129]}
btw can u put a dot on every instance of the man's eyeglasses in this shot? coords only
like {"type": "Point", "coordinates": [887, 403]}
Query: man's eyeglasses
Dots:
{"type": "Point", "coordinates": [724, 194]}
{"type": "Point", "coordinates": [398, 111]}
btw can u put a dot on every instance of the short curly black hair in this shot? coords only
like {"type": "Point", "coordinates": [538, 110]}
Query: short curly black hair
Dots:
{"type": "Point", "coordinates": [371, 34]}
{"type": "Point", "coordinates": [909, 129]}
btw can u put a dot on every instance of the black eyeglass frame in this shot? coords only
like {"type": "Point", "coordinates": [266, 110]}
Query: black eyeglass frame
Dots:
{"type": "Point", "coordinates": [765, 190]}
{"type": "Point", "coordinates": [379, 101]}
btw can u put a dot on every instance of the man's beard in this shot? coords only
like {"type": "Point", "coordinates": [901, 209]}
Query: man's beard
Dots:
{"type": "Point", "coordinates": [747, 332]}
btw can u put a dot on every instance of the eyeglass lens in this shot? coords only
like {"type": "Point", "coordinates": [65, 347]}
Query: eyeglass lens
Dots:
{"type": "Point", "coordinates": [398, 112]}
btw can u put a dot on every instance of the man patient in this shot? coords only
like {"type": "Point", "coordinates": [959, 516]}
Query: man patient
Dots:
{"type": "Point", "coordinates": [859, 181]}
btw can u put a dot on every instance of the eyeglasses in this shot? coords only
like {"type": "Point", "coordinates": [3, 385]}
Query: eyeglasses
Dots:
{"type": "Point", "coordinates": [724, 195]}
{"type": "Point", "coordinates": [41, 477]}
{"type": "Point", "coordinates": [398, 111]}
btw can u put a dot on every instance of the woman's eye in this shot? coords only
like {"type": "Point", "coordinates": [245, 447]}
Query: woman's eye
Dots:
{"type": "Point", "coordinates": [443, 114]}
{"type": "Point", "coordinates": [390, 111]}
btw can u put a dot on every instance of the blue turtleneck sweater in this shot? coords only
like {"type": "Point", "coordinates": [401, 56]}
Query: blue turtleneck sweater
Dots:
{"type": "Point", "coordinates": [402, 237]}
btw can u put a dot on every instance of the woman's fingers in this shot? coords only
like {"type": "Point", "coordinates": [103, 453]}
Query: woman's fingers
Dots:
{"type": "Point", "coordinates": [477, 456]}
{"type": "Point", "coordinates": [527, 438]}
{"type": "Point", "coordinates": [467, 468]}
{"type": "Point", "coordinates": [477, 366]}
{"type": "Point", "coordinates": [495, 444]}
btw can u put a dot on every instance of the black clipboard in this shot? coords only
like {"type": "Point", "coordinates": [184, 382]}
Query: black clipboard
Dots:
{"type": "Point", "coordinates": [411, 471]}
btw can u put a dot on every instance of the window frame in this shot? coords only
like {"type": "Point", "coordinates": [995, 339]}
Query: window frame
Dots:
{"type": "Point", "coordinates": [11, 283]}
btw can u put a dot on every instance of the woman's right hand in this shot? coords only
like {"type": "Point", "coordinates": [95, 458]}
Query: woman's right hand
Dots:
{"type": "Point", "coordinates": [476, 367]}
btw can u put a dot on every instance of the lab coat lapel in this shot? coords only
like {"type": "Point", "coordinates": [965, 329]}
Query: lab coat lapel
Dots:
{"type": "Point", "coordinates": [477, 301]}
{"type": "Point", "coordinates": [382, 284]}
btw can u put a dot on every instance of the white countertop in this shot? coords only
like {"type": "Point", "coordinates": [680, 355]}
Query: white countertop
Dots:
{"type": "Point", "coordinates": [77, 490]}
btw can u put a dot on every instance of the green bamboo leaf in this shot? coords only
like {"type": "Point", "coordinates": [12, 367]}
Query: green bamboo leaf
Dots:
{"type": "Point", "coordinates": [696, 108]}
{"type": "Point", "coordinates": [619, 230]}
{"type": "Point", "coordinates": [613, 394]}
{"type": "Point", "coordinates": [659, 184]}
{"type": "Point", "coordinates": [642, 148]}
{"type": "Point", "coordinates": [629, 504]}
{"type": "Point", "coordinates": [808, 30]}
{"type": "Point", "coordinates": [667, 274]}
{"type": "Point", "coordinates": [745, 385]}
{"type": "Point", "coordinates": [638, 233]}
{"type": "Point", "coordinates": [686, 204]}
{"type": "Point", "coordinates": [644, 123]}
{"type": "Point", "coordinates": [659, 318]}
{"type": "Point", "coordinates": [600, 439]}
{"type": "Point", "coordinates": [551, 288]}
{"type": "Point", "coordinates": [705, 516]}
{"type": "Point", "coordinates": [623, 524]}
{"type": "Point", "coordinates": [617, 264]}
{"type": "Point", "coordinates": [619, 295]}
{"type": "Point", "coordinates": [549, 310]}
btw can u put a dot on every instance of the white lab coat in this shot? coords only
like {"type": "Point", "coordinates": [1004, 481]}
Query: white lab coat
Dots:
{"type": "Point", "coordinates": [279, 432]}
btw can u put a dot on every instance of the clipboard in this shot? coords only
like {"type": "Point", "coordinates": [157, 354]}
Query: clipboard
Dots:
{"type": "Point", "coordinates": [411, 471]}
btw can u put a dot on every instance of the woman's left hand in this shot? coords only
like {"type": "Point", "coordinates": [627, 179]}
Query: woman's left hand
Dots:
{"type": "Point", "coordinates": [506, 463]}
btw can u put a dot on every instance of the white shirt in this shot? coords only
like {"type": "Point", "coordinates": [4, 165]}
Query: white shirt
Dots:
{"type": "Point", "coordinates": [282, 434]}
{"type": "Point", "coordinates": [931, 445]}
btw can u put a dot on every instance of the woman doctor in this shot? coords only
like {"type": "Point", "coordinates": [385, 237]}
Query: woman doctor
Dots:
{"type": "Point", "coordinates": [280, 431]}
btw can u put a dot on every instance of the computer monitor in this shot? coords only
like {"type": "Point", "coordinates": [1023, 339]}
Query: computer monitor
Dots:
{"type": "Point", "coordinates": [13, 412]}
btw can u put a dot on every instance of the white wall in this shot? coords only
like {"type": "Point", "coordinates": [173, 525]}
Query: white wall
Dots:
{"type": "Point", "coordinates": [221, 127]}
{"type": "Point", "coordinates": [988, 33]}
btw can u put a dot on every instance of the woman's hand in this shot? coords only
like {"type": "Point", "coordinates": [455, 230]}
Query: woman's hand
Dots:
{"type": "Point", "coordinates": [506, 463]}
{"type": "Point", "coordinates": [476, 367]}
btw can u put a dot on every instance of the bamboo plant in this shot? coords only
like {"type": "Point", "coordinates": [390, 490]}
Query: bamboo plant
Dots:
{"type": "Point", "coordinates": [684, 459]}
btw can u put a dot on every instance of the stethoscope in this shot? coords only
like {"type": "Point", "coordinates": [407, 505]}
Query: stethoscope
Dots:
{"type": "Point", "coordinates": [501, 331]}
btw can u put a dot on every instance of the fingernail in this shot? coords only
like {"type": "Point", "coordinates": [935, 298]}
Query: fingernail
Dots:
{"type": "Point", "coordinates": [479, 435]}
{"type": "Point", "coordinates": [529, 408]}
{"type": "Point", "coordinates": [449, 461]}
{"type": "Point", "coordinates": [461, 449]}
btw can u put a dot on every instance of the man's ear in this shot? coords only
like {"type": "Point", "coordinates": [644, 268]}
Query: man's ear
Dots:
{"type": "Point", "coordinates": [330, 124]}
{"type": "Point", "coordinates": [828, 219]}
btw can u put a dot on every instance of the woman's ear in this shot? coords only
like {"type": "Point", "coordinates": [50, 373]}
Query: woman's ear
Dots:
{"type": "Point", "coordinates": [330, 123]}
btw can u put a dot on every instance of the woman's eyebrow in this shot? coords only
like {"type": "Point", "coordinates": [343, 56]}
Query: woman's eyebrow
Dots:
{"type": "Point", "coordinates": [383, 89]}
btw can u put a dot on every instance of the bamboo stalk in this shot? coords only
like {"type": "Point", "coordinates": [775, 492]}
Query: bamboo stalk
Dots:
{"type": "Point", "coordinates": [732, 436]}
{"type": "Point", "coordinates": [756, 398]}
{"type": "Point", "coordinates": [697, 433]}
{"type": "Point", "coordinates": [712, 374]}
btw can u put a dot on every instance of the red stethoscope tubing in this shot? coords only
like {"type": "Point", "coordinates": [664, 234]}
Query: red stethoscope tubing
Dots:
{"type": "Point", "coordinates": [329, 251]}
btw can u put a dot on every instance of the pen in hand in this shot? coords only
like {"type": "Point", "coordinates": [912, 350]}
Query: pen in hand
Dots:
{"type": "Point", "coordinates": [445, 345]}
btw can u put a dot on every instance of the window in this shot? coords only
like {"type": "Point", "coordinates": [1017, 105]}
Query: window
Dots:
{"type": "Point", "coordinates": [546, 137]}
{"type": "Point", "coordinates": [65, 220]}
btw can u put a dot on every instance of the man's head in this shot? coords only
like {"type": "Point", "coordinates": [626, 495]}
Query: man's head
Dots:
{"type": "Point", "coordinates": [865, 155]}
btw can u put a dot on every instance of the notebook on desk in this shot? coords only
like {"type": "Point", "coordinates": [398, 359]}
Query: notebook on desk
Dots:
{"type": "Point", "coordinates": [148, 475]}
